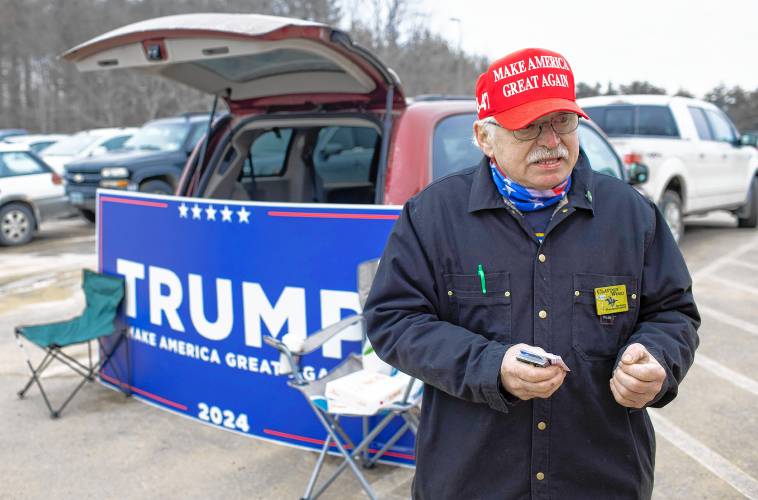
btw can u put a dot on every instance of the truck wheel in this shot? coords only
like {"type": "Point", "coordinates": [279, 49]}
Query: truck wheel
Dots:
{"type": "Point", "coordinates": [88, 214]}
{"type": "Point", "coordinates": [751, 220]}
{"type": "Point", "coordinates": [16, 224]}
{"type": "Point", "coordinates": [156, 187]}
{"type": "Point", "coordinates": [671, 207]}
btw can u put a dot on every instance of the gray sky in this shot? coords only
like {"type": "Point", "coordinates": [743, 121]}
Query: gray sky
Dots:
{"type": "Point", "coordinates": [671, 43]}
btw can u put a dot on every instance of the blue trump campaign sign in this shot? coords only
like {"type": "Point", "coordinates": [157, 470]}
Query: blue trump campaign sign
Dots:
{"type": "Point", "coordinates": [206, 280]}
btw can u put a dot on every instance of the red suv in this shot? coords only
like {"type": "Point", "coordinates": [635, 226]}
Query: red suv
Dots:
{"type": "Point", "coordinates": [312, 117]}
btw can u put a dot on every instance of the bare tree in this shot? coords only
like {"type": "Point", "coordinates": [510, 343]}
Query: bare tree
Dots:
{"type": "Point", "coordinates": [41, 92]}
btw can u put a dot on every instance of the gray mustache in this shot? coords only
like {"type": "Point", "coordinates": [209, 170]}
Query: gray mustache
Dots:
{"type": "Point", "coordinates": [543, 153]}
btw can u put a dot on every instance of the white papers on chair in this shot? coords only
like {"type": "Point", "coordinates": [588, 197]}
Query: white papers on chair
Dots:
{"type": "Point", "coordinates": [364, 392]}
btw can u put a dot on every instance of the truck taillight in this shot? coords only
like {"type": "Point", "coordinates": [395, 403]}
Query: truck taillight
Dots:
{"type": "Point", "coordinates": [57, 180]}
{"type": "Point", "coordinates": [632, 158]}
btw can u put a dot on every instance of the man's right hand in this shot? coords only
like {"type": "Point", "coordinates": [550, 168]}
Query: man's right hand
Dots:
{"type": "Point", "coordinates": [526, 381]}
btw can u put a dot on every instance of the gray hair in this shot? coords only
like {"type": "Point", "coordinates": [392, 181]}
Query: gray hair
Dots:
{"type": "Point", "coordinates": [488, 125]}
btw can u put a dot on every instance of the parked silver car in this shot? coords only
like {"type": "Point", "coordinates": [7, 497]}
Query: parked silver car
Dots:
{"type": "Point", "coordinates": [30, 192]}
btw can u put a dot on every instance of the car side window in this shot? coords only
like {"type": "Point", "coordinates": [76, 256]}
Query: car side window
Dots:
{"type": "Point", "coordinates": [597, 115]}
{"type": "Point", "coordinates": [268, 153]}
{"type": "Point", "coordinates": [196, 134]}
{"type": "Point", "coordinates": [19, 163]}
{"type": "Point", "coordinates": [722, 129]}
{"type": "Point", "coordinates": [345, 154]}
{"type": "Point", "coordinates": [452, 149]}
{"type": "Point", "coordinates": [656, 121]}
{"type": "Point", "coordinates": [599, 152]}
{"type": "Point", "coordinates": [619, 121]}
{"type": "Point", "coordinates": [37, 147]}
{"type": "Point", "coordinates": [701, 123]}
{"type": "Point", "coordinates": [115, 143]}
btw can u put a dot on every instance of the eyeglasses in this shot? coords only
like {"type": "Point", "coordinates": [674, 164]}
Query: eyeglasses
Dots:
{"type": "Point", "coordinates": [563, 123]}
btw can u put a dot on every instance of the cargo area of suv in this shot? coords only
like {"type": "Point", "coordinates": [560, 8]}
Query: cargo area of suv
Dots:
{"type": "Point", "coordinates": [296, 159]}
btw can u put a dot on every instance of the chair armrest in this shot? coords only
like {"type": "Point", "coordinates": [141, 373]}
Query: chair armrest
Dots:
{"type": "Point", "coordinates": [317, 339]}
{"type": "Point", "coordinates": [290, 358]}
{"type": "Point", "coordinates": [289, 362]}
{"type": "Point", "coordinates": [274, 343]}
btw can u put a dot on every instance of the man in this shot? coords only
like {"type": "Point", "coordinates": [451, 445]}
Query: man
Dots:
{"type": "Point", "coordinates": [532, 250]}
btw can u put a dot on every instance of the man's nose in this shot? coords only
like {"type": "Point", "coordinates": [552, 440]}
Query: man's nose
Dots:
{"type": "Point", "coordinates": [548, 137]}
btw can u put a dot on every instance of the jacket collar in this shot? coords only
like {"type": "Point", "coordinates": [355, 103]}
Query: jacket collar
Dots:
{"type": "Point", "coordinates": [485, 196]}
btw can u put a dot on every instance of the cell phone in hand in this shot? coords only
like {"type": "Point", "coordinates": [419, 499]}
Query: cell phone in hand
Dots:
{"type": "Point", "coordinates": [541, 360]}
{"type": "Point", "coordinates": [532, 358]}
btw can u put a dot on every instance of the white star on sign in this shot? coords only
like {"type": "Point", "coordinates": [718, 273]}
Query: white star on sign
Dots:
{"type": "Point", "coordinates": [210, 213]}
{"type": "Point", "coordinates": [226, 214]}
{"type": "Point", "coordinates": [196, 211]}
{"type": "Point", "coordinates": [183, 210]}
{"type": "Point", "coordinates": [243, 215]}
{"type": "Point", "coordinates": [509, 189]}
{"type": "Point", "coordinates": [538, 204]}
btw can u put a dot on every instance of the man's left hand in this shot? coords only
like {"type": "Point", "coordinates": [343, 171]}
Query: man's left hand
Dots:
{"type": "Point", "coordinates": [638, 378]}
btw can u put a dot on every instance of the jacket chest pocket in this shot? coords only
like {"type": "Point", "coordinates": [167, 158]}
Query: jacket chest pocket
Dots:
{"type": "Point", "coordinates": [488, 314]}
{"type": "Point", "coordinates": [598, 336]}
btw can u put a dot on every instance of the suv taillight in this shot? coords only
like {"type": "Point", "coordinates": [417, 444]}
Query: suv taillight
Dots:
{"type": "Point", "coordinates": [57, 179]}
{"type": "Point", "coordinates": [632, 158]}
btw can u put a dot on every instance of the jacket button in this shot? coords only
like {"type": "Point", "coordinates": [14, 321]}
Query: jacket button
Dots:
{"type": "Point", "coordinates": [449, 293]}
{"type": "Point", "coordinates": [577, 293]}
{"type": "Point", "coordinates": [634, 296]}
{"type": "Point", "coordinates": [507, 294]}
{"type": "Point", "coordinates": [542, 258]}
{"type": "Point", "coordinates": [542, 314]}
{"type": "Point", "coordinates": [565, 210]}
{"type": "Point", "coordinates": [542, 426]}
{"type": "Point", "coordinates": [540, 476]}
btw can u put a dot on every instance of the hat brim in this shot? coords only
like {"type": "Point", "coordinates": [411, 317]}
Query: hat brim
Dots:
{"type": "Point", "coordinates": [523, 115]}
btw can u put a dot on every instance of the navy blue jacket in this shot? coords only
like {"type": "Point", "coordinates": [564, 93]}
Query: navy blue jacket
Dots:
{"type": "Point", "coordinates": [427, 316]}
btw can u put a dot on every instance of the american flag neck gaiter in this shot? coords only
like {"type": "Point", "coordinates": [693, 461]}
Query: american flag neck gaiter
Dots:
{"type": "Point", "coordinates": [528, 199]}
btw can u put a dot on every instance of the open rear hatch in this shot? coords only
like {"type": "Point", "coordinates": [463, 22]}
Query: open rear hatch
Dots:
{"type": "Point", "coordinates": [256, 63]}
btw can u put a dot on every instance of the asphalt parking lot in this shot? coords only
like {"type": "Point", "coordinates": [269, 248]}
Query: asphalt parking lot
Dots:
{"type": "Point", "coordinates": [107, 446]}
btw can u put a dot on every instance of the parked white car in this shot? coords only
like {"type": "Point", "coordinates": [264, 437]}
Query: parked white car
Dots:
{"type": "Point", "coordinates": [36, 142]}
{"type": "Point", "coordinates": [85, 144]}
{"type": "Point", "coordinates": [694, 154]}
{"type": "Point", "coordinates": [30, 192]}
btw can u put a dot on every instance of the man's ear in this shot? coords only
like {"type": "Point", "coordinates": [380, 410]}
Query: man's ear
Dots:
{"type": "Point", "coordinates": [483, 139]}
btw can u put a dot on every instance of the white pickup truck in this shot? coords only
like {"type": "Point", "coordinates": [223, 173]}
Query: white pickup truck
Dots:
{"type": "Point", "coordinates": [695, 157]}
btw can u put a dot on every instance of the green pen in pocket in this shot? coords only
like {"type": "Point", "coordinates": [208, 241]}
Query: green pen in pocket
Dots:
{"type": "Point", "coordinates": [480, 272]}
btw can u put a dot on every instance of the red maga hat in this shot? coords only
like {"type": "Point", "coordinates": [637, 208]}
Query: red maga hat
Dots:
{"type": "Point", "coordinates": [525, 85]}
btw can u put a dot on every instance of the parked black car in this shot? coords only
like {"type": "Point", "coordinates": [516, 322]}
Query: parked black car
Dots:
{"type": "Point", "coordinates": [151, 162]}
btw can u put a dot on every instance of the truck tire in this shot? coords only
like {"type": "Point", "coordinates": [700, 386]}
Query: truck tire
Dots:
{"type": "Point", "coordinates": [751, 219]}
{"type": "Point", "coordinates": [671, 207]}
{"type": "Point", "coordinates": [156, 187]}
{"type": "Point", "coordinates": [88, 214]}
{"type": "Point", "coordinates": [17, 224]}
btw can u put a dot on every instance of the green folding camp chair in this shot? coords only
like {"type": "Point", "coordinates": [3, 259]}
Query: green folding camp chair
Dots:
{"type": "Point", "coordinates": [103, 295]}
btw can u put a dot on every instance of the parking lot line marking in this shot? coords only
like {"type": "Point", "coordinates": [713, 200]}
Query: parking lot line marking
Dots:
{"type": "Point", "coordinates": [745, 326]}
{"type": "Point", "coordinates": [741, 381]}
{"type": "Point", "coordinates": [718, 465]}
{"type": "Point", "coordinates": [714, 265]}
{"type": "Point", "coordinates": [734, 284]}
{"type": "Point", "coordinates": [742, 263]}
